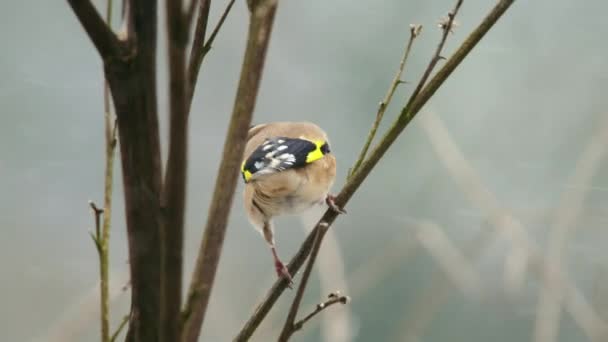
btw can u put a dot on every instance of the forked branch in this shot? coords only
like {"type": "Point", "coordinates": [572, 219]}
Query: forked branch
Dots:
{"type": "Point", "coordinates": [106, 42]}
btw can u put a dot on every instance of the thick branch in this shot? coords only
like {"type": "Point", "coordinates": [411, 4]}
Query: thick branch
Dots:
{"type": "Point", "coordinates": [105, 41]}
{"type": "Point", "coordinates": [133, 85]}
{"type": "Point", "coordinates": [174, 187]}
{"type": "Point", "coordinates": [260, 29]}
{"type": "Point", "coordinates": [366, 167]}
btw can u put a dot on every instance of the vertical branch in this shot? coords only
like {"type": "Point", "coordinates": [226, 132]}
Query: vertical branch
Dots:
{"type": "Point", "coordinates": [174, 187]}
{"type": "Point", "coordinates": [196, 54]}
{"type": "Point", "coordinates": [260, 28]}
{"type": "Point", "coordinates": [104, 255]}
{"type": "Point", "coordinates": [132, 80]}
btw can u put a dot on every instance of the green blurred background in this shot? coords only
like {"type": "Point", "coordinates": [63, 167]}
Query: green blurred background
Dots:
{"type": "Point", "coordinates": [526, 109]}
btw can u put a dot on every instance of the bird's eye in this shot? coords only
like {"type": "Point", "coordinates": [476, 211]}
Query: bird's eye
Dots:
{"type": "Point", "coordinates": [325, 148]}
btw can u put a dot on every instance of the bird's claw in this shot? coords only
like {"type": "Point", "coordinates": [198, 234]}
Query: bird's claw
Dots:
{"type": "Point", "coordinates": [283, 272]}
{"type": "Point", "coordinates": [331, 202]}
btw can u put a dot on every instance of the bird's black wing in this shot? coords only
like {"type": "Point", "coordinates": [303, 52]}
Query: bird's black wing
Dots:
{"type": "Point", "coordinates": [278, 154]}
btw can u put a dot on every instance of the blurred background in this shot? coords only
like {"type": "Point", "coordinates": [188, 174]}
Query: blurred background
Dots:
{"type": "Point", "coordinates": [486, 221]}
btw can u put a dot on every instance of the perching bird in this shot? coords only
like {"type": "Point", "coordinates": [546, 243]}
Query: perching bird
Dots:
{"type": "Point", "coordinates": [287, 168]}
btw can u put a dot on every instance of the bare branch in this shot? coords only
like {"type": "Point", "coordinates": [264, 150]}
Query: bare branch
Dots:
{"type": "Point", "coordinates": [196, 54]}
{"type": "Point", "coordinates": [260, 29]}
{"type": "Point", "coordinates": [334, 298]}
{"type": "Point", "coordinates": [173, 197]}
{"type": "Point", "coordinates": [135, 101]}
{"type": "Point", "coordinates": [366, 167]}
{"type": "Point", "coordinates": [414, 32]}
{"type": "Point", "coordinates": [291, 326]}
{"type": "Point", "coordinates": [120, 328]}
{"type": "Point", "coordinates": [97, 212]}
{"type": "Point", "coordinates": [105, 41]}
{"type": "Point", "coordinates": [446, 26]}
{"type": "Point", "coordinates": [217, 28]}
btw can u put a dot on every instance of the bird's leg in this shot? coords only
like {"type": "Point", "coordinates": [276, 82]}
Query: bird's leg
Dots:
{"type": "Point", "coordinates": [331, 202]}
{"type": "Point", "coordinates": [280, 267]}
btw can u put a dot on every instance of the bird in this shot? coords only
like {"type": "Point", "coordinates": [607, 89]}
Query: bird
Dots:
{"type": "Point", "coordinates": [287, 168]}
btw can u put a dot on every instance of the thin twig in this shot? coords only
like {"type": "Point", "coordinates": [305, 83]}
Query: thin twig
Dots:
{"type": "Point", "coordinates": [260, 29]}
{"type": "Point", "coordinates": [217, 28]}
{"type": "Point", "coordinates": [414, 32]}
{"type": "Point", "coordinates": [97, 218]}
{"type": "Point", "coordinates": [446, 26]}
{"type": "Point", "coordinates": [295, 305]}
{"type": "Point", "coordinates": [366, 167]}
{"type": "Point", "coordinates": [196, 54]}
{"type": "Point", "coordinates": [334, 298]}
{"type": "Point", "coordinates": [120, 328]}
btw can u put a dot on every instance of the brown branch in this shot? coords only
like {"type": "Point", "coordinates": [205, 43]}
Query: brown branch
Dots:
{"type": "Point", "coordinates": [217, 28]}
{"type": "Point", "coordinates": [106, 42]}
{"type": "Point", "coordinates": [446, 26]}
{"type": "Point", "coordinates": [133, 85]}
{"type": "Point", "coordinates": [366, 167]}
{"type": "Point", "coordinates": [291, 326]}
{"type": "Point", "coordinates": [174, 187]}
{"type": "Point", "coordinates": [196, 53]}
{"type": "Point", "coordinates": [414, 32]}
{"type": "Point", "coordinates": [295, 305]}
{"type": "Point", "coordinates": [120, 328]}
{"type": "Point", "coordinates": [260, 29]}
{"type": "Point", "coordinates": [334, 298]}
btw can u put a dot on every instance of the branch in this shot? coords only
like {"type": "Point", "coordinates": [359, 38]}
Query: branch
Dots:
{"type": "Point", "coordinates": [366, 167]}
{"type": "Point", "coordinates": [106, 42]}
{"type": "Point", "coordinates": [414, 32]}
{"type": "Point", "coordinates": [260, 29]}
{"type": "Point", "coordinates": [196, 54]}
{"type": "Point", "coordinates": [133, 84]}
{"type": "Point", "coordinates": [200, 50]}
{"type": "Point", "coordinates": [97, 218]}
{"type": "Point", "coordinates": [217, 28]}
{"type": "Point", "coordinates": [295, 305]}
{"type": "Point", "coordinates": [334, 298]}
{"type": "Point", "coordinates": [120, 328]}
{"type": "Point", "coordinates": [446, 25]}
{"type": "Point", "coordinates": [104, 245]}
{"type": "Point", "coordinates": [291, 326]}
{"type": "Point", "coordinates": [174, 187]}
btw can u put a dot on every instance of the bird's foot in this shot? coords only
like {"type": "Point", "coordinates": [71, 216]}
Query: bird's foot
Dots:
{"type": "Point", "coordinates": [283, 272]}
{"type": "Point", "coordinates": [331, 202]}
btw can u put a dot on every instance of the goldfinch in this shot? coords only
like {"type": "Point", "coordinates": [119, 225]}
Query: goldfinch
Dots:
{"type": "Point", "coordinates": [287, 168]}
